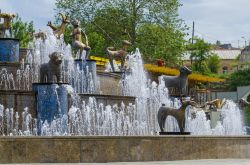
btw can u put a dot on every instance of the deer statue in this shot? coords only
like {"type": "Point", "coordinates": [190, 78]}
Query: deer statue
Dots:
{"type": "Point", "coordinates": [179, 115]}
{"type": "Point", "coordinates": [118, 54]}
{"type": "Point", "coordinates": [58, 31]}
{"type": "Point", "coordinates": [6, 25]}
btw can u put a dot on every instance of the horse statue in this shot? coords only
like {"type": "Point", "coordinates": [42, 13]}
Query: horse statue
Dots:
{"type": "Point", "coordinates": [178, 114]}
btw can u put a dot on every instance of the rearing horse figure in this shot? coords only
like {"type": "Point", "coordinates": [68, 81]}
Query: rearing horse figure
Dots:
{"type": "Point", "coordinates": [58, 31]}
{"type": "Point", "coordinates": [178, 114]}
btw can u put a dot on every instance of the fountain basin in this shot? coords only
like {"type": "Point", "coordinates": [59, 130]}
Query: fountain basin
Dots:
{"type": "Point", "coordinates": [109, 99]}
{"type": "Point", "coordinates": [109, 83]}
{"type": "Point", "coordinates": [51, 102]}
{"type": "Point", "coordinates": [87, 68]}
{"type": "Point", "coordinates": [86, 149]}
{"type": "Point", "coordinates": [174, 133]}
{"type": "Point", "coordinates": [9, 50]}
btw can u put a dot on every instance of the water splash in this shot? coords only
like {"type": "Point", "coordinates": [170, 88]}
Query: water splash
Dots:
{"type": "Point", "coordinates": [230, 122]}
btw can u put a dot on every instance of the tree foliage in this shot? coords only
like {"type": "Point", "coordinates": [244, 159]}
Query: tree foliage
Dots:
{"type": "Point", "coordinates": [200, 51]}
{"type": "Point", "coordinates": [22, 31]}
{"type": "Point", "coordinates": [157, 42]}
{"type": "Point", "coordinates": [213, 63]}
{"type": "Point", "coordinates": [139, 21]}
{"type": "Point", "coordinates": [239, 78]}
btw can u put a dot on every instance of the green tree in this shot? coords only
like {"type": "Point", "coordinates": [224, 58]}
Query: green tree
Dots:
{"type": "Point", "coordinates": [22, 31]}
{"type": "Point", "coordinates": [97, 43]}
{"type": "Point", "coordinates": [213, 63]}
{"type": "Point", "coordinates": [200, 51]}
{"type": "Point", "coordinates": [239, 78]}
{"type": "Point", "coordinates": [111, 24]}
{"type": "Point", "coordinates": [115, 20]}
{"type": "Point", "coordinates": [156, 42]}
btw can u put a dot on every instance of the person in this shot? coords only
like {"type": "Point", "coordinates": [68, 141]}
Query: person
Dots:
{"type": "Point", "coordinates": [118, 54]}
{"type": "Point", "coordinates": [77, 38]}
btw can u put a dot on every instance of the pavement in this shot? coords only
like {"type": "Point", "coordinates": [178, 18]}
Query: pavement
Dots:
{"type": "Point", "coordinates": [181, 162]}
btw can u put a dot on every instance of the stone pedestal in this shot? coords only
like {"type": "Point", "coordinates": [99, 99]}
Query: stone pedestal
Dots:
{"type": "Point", "coordinates": [52, 103]}
{"type": "Point", "coordinates": [9, 50]}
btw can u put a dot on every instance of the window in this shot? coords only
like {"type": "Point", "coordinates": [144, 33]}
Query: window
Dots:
{"type": "Point", "coordinates": [224, 69]}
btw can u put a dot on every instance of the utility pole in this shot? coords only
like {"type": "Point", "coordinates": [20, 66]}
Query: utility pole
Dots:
{"type": "Point", "coordinates": [245, 41]}
{"type": "Point", "coordinates": [193, 34]}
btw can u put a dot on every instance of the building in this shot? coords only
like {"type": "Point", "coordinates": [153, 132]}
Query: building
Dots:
{"type": "Point", "coordinates": [228, 63]}
{"type": "Point", "coordinates": [244, 58]}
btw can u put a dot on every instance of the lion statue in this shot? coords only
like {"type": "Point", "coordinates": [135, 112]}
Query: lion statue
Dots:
{"type": "Point", "coordinates": [51, 72]}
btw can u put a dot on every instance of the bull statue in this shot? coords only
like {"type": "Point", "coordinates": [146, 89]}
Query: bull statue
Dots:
{"type": "Point", "coordinates": [51, 72]}
{"type": "Point", "coordinates": [180, 82]}
{"type": "Point", "coordinates": [178, 114]}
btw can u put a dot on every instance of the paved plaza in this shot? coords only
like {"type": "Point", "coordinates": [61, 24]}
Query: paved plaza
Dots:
{"type": "Point", "coordinates": [181, 162]}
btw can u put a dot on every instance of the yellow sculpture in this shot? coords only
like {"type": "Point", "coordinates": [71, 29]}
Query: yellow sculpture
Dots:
{"type": "Point", "coordinates": [58, 31]}
{"type": "Point", "coordinates": [217, 103]}
{"type": "Point", "coordinates": [6, 25]}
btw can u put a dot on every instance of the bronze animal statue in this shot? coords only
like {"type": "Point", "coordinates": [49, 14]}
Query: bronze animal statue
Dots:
{"type": "Point", "coordinates": [245, 100]}
{"type": "Point", "coordinates": [51, 72]}
{"type": "Point", "coordinates": [179, 115]}
{"type": "Point", "coordinates": [118, 55]}
{"type": "Point", "coordinates": [216, 104]}
{"type": "Point", "coordinates": [180, 82]}
{"type": "Point", "coordinates": [58, 31]}
{"type": "Point", "coordinates": [6, 25]}
{"type": "Point", "coordinates": [243, 103]}
{"type": "Point", "coordinates": [41, 34]}
{"type": "Point", "coordinates": [77, 39]}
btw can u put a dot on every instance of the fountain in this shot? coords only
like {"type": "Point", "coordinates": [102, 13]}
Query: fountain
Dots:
{"type": "Point", "coordinates": [72, 112]}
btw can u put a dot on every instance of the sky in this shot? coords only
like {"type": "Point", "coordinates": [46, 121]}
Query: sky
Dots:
{"type": "Point", "coordinates": [38, 11]}
{"type": "Point", "coordinates": [224, 20]}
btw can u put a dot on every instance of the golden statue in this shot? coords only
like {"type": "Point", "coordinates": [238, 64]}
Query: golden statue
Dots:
{"type": "Point", "coordinates": [118, 54]}
{"type": "Point", "coordinates": [6, 25]}
{"type": "Point", "coordinates": [58, 31]}
{"type": "Point", "coordinates": [77, 42]}
{"type": "Point", "coordinates": [216, 104]}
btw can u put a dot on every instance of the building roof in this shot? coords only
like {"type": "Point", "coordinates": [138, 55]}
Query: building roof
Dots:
{"type": "Point", "coordinates": [222, 53]}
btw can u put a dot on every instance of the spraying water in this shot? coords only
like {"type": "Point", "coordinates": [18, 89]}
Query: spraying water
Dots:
{"type": "Point", "coordinates": [90, 118]}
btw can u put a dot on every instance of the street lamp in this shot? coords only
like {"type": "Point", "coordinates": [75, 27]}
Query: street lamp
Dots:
{"type": "Point", "coordinates": [245, 41]}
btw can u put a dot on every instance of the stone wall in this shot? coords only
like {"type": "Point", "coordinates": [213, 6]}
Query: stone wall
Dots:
{"type": "Point", "coordinates": [109, 99]}
{"type": "Point", "coordinates": [109, 83]}
{"type": "Point", "coordinates": [121, 149]}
